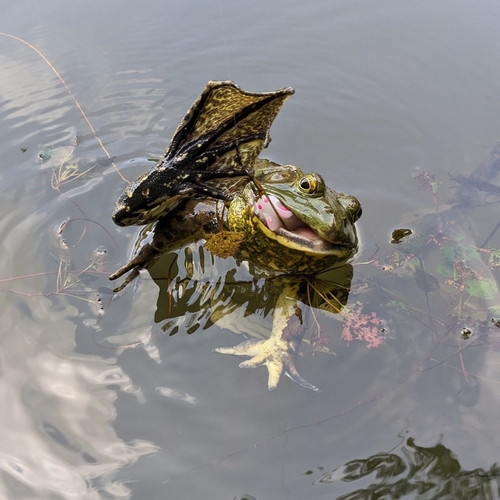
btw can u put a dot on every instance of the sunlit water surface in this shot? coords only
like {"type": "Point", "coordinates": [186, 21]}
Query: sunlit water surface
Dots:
{"type": "Point", "coordinates": [385, 92]}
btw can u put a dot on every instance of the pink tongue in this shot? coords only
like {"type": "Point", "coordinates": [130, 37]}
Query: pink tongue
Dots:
{"type": "Point", "coordinates": [273, 223]}
{"type": "Point", "coordinates": [269, 208]}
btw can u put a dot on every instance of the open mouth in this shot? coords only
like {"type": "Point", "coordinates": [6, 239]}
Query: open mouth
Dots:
{"type": "Point", "coordinates": [289, 230]}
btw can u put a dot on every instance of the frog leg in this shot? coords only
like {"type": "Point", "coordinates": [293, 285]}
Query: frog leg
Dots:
{"type": "Point", "coordinates": [192, 181]}
{"type": "Point", "coordinates": [225, 155]}
{"type": "Point", "coordinates": [277, 356]}
{"type": "Point", "coordinates": [169, 233]}
{"type": "Point", "coordinates": [194, 185]}
{"type": "Point", "coordinates": [279, 352]}
{"type": "Point", "coordinates": [145, 256]}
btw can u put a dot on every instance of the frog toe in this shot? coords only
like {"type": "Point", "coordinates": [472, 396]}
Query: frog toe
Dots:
{"type": "Point", "coordinates": [246, 348]}
{"type": "Point", "coordinates": [286, 364]}
{"type": "Point", "coordinates": [257, 360]}
{"type": "Point", "coordinates": [275, 369]}
{"type": "Point", "coordinates": [277, 359]}
{"type": "Point", "coordinates": [292, 373]}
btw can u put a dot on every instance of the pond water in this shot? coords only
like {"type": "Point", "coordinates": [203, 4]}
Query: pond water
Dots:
{"type": "Point", "coordinates": [99, 400]}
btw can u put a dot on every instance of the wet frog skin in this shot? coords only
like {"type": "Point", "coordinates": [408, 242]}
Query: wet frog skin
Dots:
{"type": "Point", "coordinates": [221, 136]}
{"type": "Point", "coordinates": [306, 228]}
{"type": "Point", "coordinates": [324, 221]}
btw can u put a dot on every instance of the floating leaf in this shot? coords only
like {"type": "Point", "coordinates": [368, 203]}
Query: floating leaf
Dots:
{"type": "Point", "coordinates": [455, 258]}
{"type": "Point", "coordinates": [400, 264]}
{"type": "Point", "coordinates": [482, 288]}
{"type": "Point", "coordinates": [396, 304]}
{"type": "Point", "coordinates": [466, 333]}
{"type": "Point", "coordinates": [428, 182]}
{"type": "Point", "coordinates": [399, 234]}
{"type": "Point", "coordinates": [98, 259]}
{"type": "Point", "coordinates": [55, 157]}
{"type": "Point", "coordinates": [413, 244]}
{"type": "Point", "coordinates": [435, 185]}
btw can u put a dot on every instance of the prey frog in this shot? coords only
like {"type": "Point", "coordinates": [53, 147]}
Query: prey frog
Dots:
{"type": "Point", "coordinates": [287, 225]}
{"type": "Point", "coordinates": [221, 136]}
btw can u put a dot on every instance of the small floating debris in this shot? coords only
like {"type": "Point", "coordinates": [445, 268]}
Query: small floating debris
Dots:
{"type": "Point", "coordinates": [399, 234]}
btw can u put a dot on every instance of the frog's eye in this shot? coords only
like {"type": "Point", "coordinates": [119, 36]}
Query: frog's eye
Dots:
{"type": "Point", "coordinates": [308, 184]}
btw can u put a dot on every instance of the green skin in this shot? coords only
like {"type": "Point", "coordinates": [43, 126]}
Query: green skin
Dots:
{"type": "Point", "coordinates": [329, 214]}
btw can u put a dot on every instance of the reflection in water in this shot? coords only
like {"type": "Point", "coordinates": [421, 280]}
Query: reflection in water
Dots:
{"type": "Point", "coordinates": [57, 432]}
{"type": "Point", "coordinates": [422, 472]}
{"type": "Point", "coordinates": [176, 394]}
{"type": "Point", "coordinates": [58, 405]}
{"type": "Point", "coordinates": [293, 301]}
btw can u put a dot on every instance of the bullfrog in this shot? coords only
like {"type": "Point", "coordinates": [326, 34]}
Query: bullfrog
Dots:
{"type": "Point", "coordinates": [286, 224]}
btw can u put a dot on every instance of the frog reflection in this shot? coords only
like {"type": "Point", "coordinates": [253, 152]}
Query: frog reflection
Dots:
{"type": "Point", "coordinates": [240, 306]}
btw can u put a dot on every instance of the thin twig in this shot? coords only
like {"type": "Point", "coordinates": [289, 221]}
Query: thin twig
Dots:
{"type": "Point", "coordinates": [61, 79]}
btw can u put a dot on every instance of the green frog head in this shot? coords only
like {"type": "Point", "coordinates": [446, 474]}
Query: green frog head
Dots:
{"type": "Point", "coordinates": [293, 222]}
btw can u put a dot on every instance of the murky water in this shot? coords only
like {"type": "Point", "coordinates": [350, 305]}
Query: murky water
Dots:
{"type": "Point", "coordinates": [385, 91]}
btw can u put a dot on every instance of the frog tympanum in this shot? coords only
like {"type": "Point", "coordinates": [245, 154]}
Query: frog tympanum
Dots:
{"type": "Point", "coordinates": [285, 222]}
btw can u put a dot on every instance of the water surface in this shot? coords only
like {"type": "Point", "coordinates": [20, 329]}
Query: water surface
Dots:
{"type": "Point", "coordinates": [385, 90]}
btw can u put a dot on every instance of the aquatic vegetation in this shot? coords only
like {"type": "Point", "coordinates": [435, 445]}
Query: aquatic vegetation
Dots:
{"type": "Point", "coordinates": [362, 326]}
{"type": "Point", "coordinates": [425, 471]}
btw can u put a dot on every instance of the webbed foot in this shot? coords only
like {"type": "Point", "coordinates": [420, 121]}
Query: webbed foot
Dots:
{"type": "Point", "coordinates": [277, 354]}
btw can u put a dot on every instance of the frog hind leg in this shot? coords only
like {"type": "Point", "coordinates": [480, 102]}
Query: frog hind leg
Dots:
{"type": "Point", "coordinates": [275, 354]}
